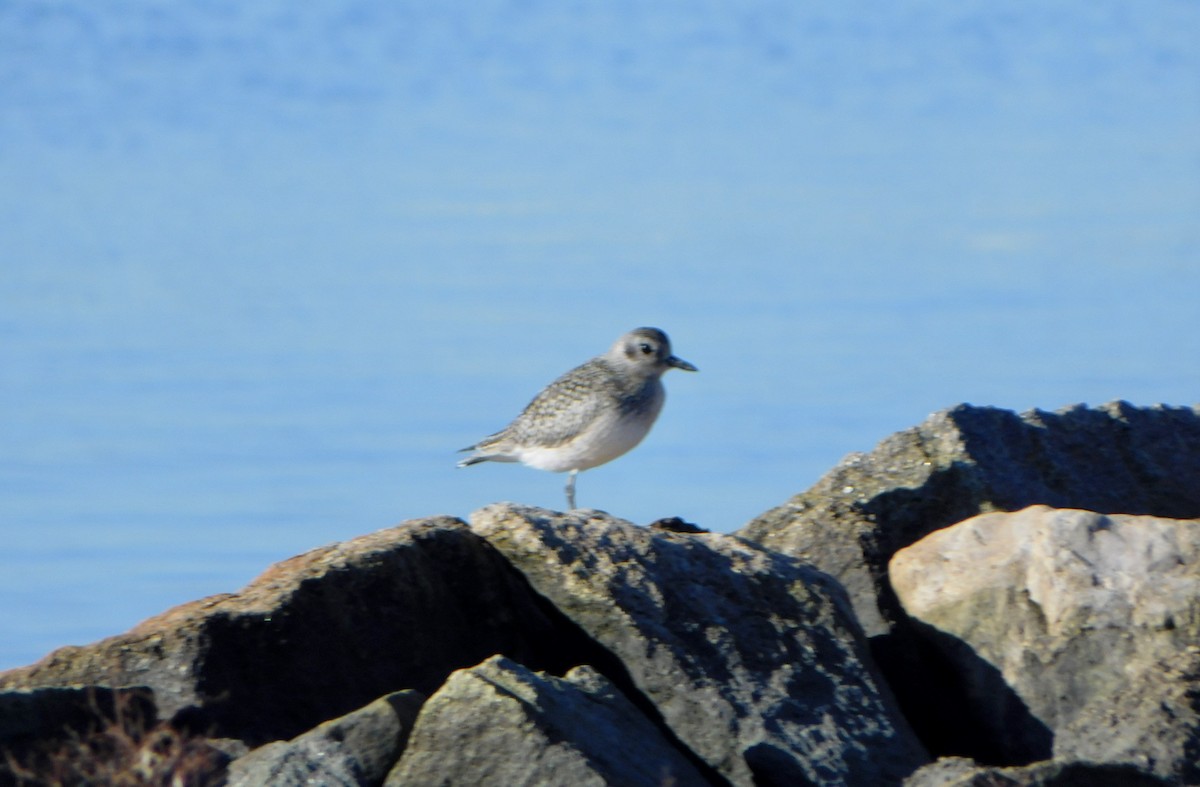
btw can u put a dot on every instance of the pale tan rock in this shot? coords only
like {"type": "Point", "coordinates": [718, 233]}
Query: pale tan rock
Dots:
{"type": "Point", "coordinates": [1091, 622]}
{"type": "Point", "coordinates": [968, 460]}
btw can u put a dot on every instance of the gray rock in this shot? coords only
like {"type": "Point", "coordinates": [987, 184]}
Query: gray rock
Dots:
{"type": "Point", "coordinates": [319, 635]}
{"type": "Point", "coordinates": [961, 772]}
{"type": "Point", "coordinates": [752, 658]}
{"type": "Point", "coordinates": [1070, 628]}
{"type": "Point", "coordinates": [501, 724]}
{"type": "Point", "coordinates": [356, 750]}
{"type": "Point", "coordinates": [968, 460]}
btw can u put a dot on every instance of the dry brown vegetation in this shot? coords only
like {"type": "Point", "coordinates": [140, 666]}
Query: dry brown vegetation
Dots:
{"type": "Point", "coordinates": [122, 749]}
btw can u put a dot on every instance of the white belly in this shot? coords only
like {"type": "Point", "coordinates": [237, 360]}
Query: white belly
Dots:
{"type": "Point", "coordinates": [604, 440]}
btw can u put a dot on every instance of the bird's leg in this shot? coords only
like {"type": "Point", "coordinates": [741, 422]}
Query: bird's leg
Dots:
{"type": "Point", "coordinates": [571, 490]}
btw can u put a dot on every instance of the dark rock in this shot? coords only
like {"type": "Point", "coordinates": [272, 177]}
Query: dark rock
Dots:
{"type": "Point", "coordinates": [319, 635]}
{"type": "Point", "coordinates": [356, 750]}
{"type": "Point", "coordinates": [1089, 623]}
{"type": "Point", "coordinates": [752, 658]}
{"type": "Point", "coordinates": [967, 460]}
{"type": "Point", "coordinates": [501, 724]}
{"type": "Point", "coordinates": [675, 524]}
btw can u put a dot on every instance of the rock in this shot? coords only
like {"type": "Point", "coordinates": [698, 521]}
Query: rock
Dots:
{"type": "Point", "coordinates": [1056, 647]}
{"type": "Point", "coordinates": [752, 658]}
{"type": "Point", "coordinates": [320, 634]}
{"type": "Point", "coordinates": [961, 772]}
{"type": "Point", "coordinates": [506, 725]}
{"type": "Point", "coordinates": [356, 750]}
{"type": "Point", "coordinates": [968, 460]}
{"type": "Point", "coordinates": [1068, 629]}
{"type": "Point", "coordinates": [674, 524]}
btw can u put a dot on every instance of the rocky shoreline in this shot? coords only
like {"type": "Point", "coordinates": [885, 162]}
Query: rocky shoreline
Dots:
{"type": "Point", "coordinates": [988, 598]}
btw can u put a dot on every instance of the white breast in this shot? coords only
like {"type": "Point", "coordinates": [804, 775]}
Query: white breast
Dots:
{"type": "Point", "coordinates": [606, 438]}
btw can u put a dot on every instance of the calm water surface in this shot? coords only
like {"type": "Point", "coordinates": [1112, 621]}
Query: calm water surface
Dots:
{"type": "Point", "coordinates": [264, 268]}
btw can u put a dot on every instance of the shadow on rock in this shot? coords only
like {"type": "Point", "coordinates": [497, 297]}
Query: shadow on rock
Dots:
{"type": "Point", "coordinates": [958, 703]}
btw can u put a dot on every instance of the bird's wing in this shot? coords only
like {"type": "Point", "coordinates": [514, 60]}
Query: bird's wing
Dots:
{"type": "Point", "coordinates": [563, 409]}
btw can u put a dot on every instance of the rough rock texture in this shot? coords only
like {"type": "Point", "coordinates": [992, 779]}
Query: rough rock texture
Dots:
{"type": "Point", "coordinates": [348, 623]}
{"type": "Point", "coordinates": [960, 772]}
{"type": "Point", "coordinates": [1070, 631]}
{"type": "Point", "coordinates": [356, 750]}
{"type": "Point", "coordinates": [500, 724]}
{"type": "Point", "coordinates": [752, 658]}
{"type": "Point", "coordinates": [969, 460]}
{"type": "Point", "coordinates": [1053, 648]}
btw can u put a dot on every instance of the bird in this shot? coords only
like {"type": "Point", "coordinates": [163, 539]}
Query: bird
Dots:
{"type": "Point", "coordinates": [592, 414]}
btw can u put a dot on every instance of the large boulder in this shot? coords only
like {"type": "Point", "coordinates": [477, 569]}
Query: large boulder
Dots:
{"type": "Point", "coordinates": [319, 635]}
{"type": "Point", "coordinates": [967, 460]}
{"type": "Point", "coordinates": [752, 659]}
{"type": "Point", "coordinates": [1069, 633]}
{"type": "Point", "coordinates": [500, 724]}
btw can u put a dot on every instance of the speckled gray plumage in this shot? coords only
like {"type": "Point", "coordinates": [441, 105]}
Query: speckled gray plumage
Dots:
{"type": "Point", "coordinates": [560, 412]}
{"type": "Point", "coordinates": [590, 415]}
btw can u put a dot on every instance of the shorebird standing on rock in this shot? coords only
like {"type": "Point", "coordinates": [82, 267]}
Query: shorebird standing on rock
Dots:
{"type": "Point", "coordinates": [590, 415]}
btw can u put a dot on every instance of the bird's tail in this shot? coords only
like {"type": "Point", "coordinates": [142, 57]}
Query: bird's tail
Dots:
{"type": "Point", "coordinates": [484, 453]}
{"type": "Point", "coordinates": [471, 460]}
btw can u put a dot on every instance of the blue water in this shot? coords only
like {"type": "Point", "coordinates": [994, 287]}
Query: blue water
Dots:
{"type": "Point", "coordinates": [264, 267]}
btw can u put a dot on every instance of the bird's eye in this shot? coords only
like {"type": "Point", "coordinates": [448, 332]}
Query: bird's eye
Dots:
{"type": "Point", "coordinates": [646, 349]}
